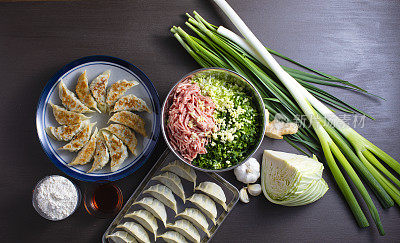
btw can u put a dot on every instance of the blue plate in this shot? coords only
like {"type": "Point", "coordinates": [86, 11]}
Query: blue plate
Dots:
{"type": "Point", "coordinates": [95, 65]}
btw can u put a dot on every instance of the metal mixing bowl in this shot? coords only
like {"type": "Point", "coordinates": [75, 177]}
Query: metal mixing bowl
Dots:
{"type": "Point", "coordinates": [235, 77]}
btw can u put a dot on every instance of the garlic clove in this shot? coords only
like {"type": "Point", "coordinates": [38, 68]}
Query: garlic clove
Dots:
{"type": "Point", "coordinates": [243, 196]}
{"type": "Point", "coordinates": [254, 189]}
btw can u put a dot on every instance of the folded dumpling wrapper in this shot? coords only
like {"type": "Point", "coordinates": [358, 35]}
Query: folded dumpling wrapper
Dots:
{"type": "Point", "coordinates": [136, 230]}
{"type": "Point", "coordinates": [125, 135]}
{"type": "Point", "coordinates": [83, 92]}
{"type": "Point", "coordinates": [79, 139]}
{"type": "Point", "coordinates": [86, 154]}
{"type": "Point", "coordinates": [155, 207]}
{"type": "Point", "coordinates": [70, 101]}
{"type": "Point", "coordinates": [98, 88]}
{"type": "Point", "coordinates": [173, 182]}
{"type": "Point", "coordinates": [182, 170]}
{"type": "Point", "coordinates": [65, 117]}
{"type": "Point", "coordinates": [205, 204]}
{"type": "Point", "coordinates": [131, 120]}
{"type": "Point", "coordinates": [173, 237]}
{"type": "Point", "coordinates": [101, 155]}
{"type": "Point", "coordinates": [117, 90]}
{"type": "Point", "coordinates": [186, 229]}
{"type": "Point", "coordinates": [146, 219]}
{"type": "Point", "coordinates": [117, 149]}
{"type": "Point", "coordinates": [131, 103]}
{"type": "Point", "coordinates": [196, 217]}
{"type": "Point", "coordinates": [214, 191]}
{"type": "Point", "coordinates": [164, 195]}
{"type": "Point", "coordinates": [121, 237]}
{"type": "Point", "coordinates": [65, 132]}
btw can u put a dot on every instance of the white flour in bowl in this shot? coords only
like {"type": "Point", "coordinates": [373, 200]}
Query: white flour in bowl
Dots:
{"type": "Point", "coordinates": [56, 197]}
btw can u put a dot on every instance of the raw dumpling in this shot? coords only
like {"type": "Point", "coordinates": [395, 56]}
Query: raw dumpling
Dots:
{"type": "Point", "coordinates": [83, 92]}
{"type": "Point", "coordinates": [117, 149]}
{"type": "Point", "coordinates": [65, 117]}
{"type": "Point", "coordinates": [86, 154]}
{"type": "Point", "coordinates": [164, 195]}
{"type": "Point", "coordinates": [196, 217]}
{"type": "Point", "coordinates": [131, 120]}
{"type": "Point", "coordinates": [66, 132]}
{"type": "Point", "coordinates": [117, 90]}
{"type": "Point", "coordinates": [182, 170]}
{"type": "Point", "coordinates": [136, 230]}
{"type": "Point", "coordinates": [80, 139]}
{"type": "Point", "coordinates": [125, 134]}
{"type": "Point", "coordinates": [205, 204]}
{"type": "Point", "coordinates": [214, 191]}
{"type": "Point", "coordinates": [101, 156]}
{"type": "Point", "coordinates": [121, 237]}
{"type": "Point", "coordinates": [155, 207]}
{"type": "Point", "coordinates": [130, 103]}
{"type": "Point", "coordinates": [185, 228]}
{"type": "Point", "coordinates": [173, 237]}
{"type": "Point", "coordinates": [173, 182]}
{"type": "Point", "coordinates": [146, 219]}
{"type": "Point", "coordinates": [98, 88]}
{"type": "Point", "coordinates": [69, 99]}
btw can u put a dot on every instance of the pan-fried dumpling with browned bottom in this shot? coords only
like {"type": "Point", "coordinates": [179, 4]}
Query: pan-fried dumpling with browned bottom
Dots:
{"type": "Point", "coordinates": [214, 191]}
{"type": "Point", "coordinates": [172, 237]}
{"type": "Point", "coordinates": [130, 103]}
{"type": "Point", "coordinates": [155, 207]}
{"type": "Point", "coordinates": [83, 92]}
{"type": "Point", "coordinates": [117, 149]}
{"type": "Point", "coordinates": [186, 229]}
{"type": "Point", "coordinates": [121, 237]}
{"type": "Point", "coordinates": [173, 182]}
{"type": "Point", "coordinates": [101, 155]}
{"type": "Point", "coordinates": [135, 230]}
{"type": "Point", "coordinates": [117, 90]}
{"type": "Point", "coordinates": [86, 154]}
{"type": "Point", "coordinates": [65, 117]}
{"type": "Point", "coordinates": [65, 132]}
{"type": "Point", "coordinates": [80, 139]}
{"type": "Point", "coordinates": [164, 195]}
{"type": "Point", "coordinates": [196, 217]}
{"type": "Point", "coordinates": [98, 87]}
{"type": "Point", "coordinates": [146, 219]}
{"type": "Point", "coordinates": [182, 170]}
{"type": "Point", "coordinates": [70, 101]}
{"type": "Point", "coordinates": [125, 134]}
{"type": "Point", "coordinates": [205, 204]}
{"type": "Point", "coordinates": [131, 120]}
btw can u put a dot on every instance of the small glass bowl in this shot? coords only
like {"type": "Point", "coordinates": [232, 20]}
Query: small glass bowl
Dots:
{"type": "Point", "coordinates": [40, 212]}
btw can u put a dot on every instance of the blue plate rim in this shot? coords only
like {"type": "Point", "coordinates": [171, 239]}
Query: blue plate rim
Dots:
{"type": "Point", "coordinates": [42, 102]}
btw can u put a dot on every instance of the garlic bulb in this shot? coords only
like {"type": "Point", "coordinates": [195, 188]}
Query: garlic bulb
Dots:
{"type": "Point", "coordinates": [254, 189]}
{"type": "Point", "coordinates": [243, 195]}
{"type": "Point", "coordinates": [248, 172]}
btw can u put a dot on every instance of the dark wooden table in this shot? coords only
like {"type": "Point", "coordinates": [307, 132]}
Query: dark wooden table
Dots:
{"type": "Point", "coordinates": [355, 40]}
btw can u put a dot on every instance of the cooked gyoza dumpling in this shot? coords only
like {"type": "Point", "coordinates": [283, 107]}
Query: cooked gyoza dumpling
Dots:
{"type": "Point", "coordinates": [83, 92]}
{"type": "Point", "coordinates": [214, 191]}
{"type": "Point", "coordinates": [117, 149]}
{"type": "Point", "coordinates": [173, 237]}
{"type": "Point", "coordinates": [155, 207]}
{"type": "Point", "coordinates": [125, 134]}
{"type": "Point", "coordinates": [135, 230]}
{"type": "Point", "coordinates": [163, 194]}
{"type": "Point", "coordinates": [86, 154]}
{"type": "Point", "coordinates": [101, 155]}
{"type": "Point", "coordinates": [98, 87]}
{"type": "Point", "coordinates": [182, 170]}
{"type": "Point", "coordinates": [130, 103]}
{"type": "Point", "coordinates": [117, 90]}
{"type": "Point", "coordinates": [131, 120]}
{"type": "Point", "coordinates": [173, 182]}
{"type": "Point", "coordinates": [79, 139]}
{"type": "Point", "coordinates": [205, 204]}
{"type": "Point", "coordinates": [146, 219]}
{"type": "Point", "coordinates": [65, 117]}
{"type": "Point", "coordinates": [196, 217]}
{"type": "Point", "coordinates": [186, 229]}
{"type": "Point", "coordinates": [121, 237]}
{"type": "Point", "coordinates": [69, 99]}
{"type": "Point", "coordinates": [65, 132]}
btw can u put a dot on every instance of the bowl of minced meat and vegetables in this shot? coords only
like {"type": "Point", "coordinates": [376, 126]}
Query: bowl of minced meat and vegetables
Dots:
{"type": "Point", "coordinates": [213, 119]}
